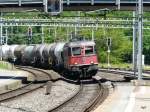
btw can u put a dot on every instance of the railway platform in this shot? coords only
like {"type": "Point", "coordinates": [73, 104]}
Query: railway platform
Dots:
{"type": "Point", "coordinates": [13, 79]}
{"type": "Point", "coordinates": [127, 98]}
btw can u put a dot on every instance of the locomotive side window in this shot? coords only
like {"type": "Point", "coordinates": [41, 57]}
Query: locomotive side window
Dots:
{"type": "Point", "coordinates": [89, 50]}
{"type": "Point", "coordinates": [95, 50]}
{"type": "Point", "coordinates": [76, 51]}
{"type": "Point", "coordinates": [69, 51]}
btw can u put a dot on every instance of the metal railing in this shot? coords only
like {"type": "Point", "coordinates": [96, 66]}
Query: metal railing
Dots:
{"type": "Point", "coordinates": [2, 2]}
{"type": "Point", "coordinates": [68, 2]}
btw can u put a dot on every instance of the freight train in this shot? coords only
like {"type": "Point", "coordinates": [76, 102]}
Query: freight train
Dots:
{"type": "Point", "coordinates": [76, 59]}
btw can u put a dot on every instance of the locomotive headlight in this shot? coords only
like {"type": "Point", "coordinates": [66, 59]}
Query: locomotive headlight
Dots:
{"type": "Point", "coordinates": [75, 63]}
{"type": "Point", "coordinates": [92, 62]}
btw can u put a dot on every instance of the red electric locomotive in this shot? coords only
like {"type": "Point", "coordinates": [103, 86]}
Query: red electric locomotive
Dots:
{"type": "Point", "coordinates": [80, 58]}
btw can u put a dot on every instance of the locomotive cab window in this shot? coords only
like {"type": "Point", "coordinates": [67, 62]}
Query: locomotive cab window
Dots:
{"type": "Point", "coordinates": [89, 50]}
{"type": "Point", "coordinates": [76, 51]}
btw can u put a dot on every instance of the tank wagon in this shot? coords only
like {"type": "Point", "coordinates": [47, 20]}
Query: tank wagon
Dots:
{"type": "Point", "coordinates": [47, 57]}
{"type": "Point", "coordinates": [58, 58]}
{"type": "Point", "coordinates": [74, 59]}
{"type": "Point", "coordinates": [28, 56]}
{"type": "Point", "coordinates": [18, 53]}
{"type": "Point", "coordinates": [34, 57]}
{"type": "Point", "coordinates": [4, 49]}
{"type": "Point", "coordinates": [11, 53]}
{"type": "Point", "coordinates": [38, 56]}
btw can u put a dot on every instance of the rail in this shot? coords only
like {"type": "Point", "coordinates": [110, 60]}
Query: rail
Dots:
{"type": "Point", "coordinates": [101, 96]}
{"type": "Point", "coordinates": [29, 87]}
{"type": "Point", "coordinates": [69, 99]}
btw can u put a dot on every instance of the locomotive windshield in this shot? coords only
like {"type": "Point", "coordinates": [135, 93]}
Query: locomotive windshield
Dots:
{"type": "Point", "coordinates": [89, 50]}
{"type": "Point", "coordinates": [76, 51]}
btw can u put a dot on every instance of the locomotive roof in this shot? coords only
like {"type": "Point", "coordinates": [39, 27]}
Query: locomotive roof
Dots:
{"type": "Point", "coordinates": [81, 43]}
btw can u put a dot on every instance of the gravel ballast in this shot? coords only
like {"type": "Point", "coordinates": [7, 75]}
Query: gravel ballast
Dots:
{"type": "Point", "coordinates": [37, 101]}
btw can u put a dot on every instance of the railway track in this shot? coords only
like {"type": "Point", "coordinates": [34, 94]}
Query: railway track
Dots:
{"type": "Point", "coordinates": [100, 97]}
{"type": "Point", "coordinates": [128, 74]}
{"type": "Point", "coordinates": [38, 82]}
{"type": "Point", "coordinates": [85, 99]}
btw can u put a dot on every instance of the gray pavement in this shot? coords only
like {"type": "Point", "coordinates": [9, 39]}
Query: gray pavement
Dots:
{"type": "Point", "coordinates": [127, 98]}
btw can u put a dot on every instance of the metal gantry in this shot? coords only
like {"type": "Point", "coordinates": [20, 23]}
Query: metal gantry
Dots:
{"type": "Point", "coordinates": [72, 22]}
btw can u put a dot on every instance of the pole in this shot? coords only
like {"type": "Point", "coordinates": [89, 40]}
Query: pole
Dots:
{"type": "Point", "coordinates": [140, 25]}
{"type": "Point", "coordinates": [45, 6]}
{"type": "Point", "coordinates": [118, 4]}
{"type": "Point", "coordinates": [108, 47]}
{"type": "Point", "coordinates": [108, 50]}
{"type": "Point", "coordinates": [29, 35]}
{"type": "Point", "coordinates": [75, 31]}
{"type": "Point", "coordinates": [1, 34]}
{"type": "Point", "coordinates": [42, 34]}
{"type": "Point", "coordinates": [6, 30]}
{"type": "Point", "coordinates": [67, 34]}
{"type": "Point", "coordinates": [134, 58]}
{"type": "Point", "coordinates": [108, 56]}
{"type": "Point", "coordinates": [92, 34]}
{"type": "Point", "coordinates": [55, 33]}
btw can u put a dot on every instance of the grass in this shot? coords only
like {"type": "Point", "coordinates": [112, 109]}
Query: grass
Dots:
{"type": "Point", "coordinates": [5, 65]}
{"type": "Point", "coordinates": [120, 65]}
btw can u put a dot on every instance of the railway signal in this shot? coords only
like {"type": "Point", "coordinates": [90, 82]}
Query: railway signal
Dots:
{"type": "Point", "coordinates": [29, 31]}
{"type": "Point", "coordinates": [54, 7]}
{"type": "Point", "coordinates": [108, 50]}
{"type": "Point", "coordinates": [29, 35]}
{"type": "Point", "coordinates": [109, 42]}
